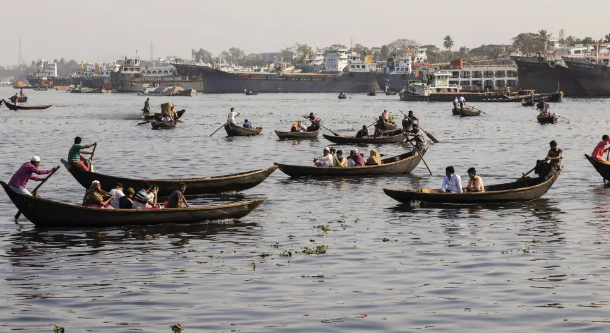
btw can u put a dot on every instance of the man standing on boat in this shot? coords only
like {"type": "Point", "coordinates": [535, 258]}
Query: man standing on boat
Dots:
{"type": "Point", "coordinates": [555, 155]}
{"type": "Point", "coordinates": [600, 149]}
{"type": "Point", "coordinates": [231, 116]}
{"type": "Point", "coordinates": [146, 106]}
{"type": "Point", "coordinates": [462, 102]}
{"type": "Point", "coordinates": [21, 177]}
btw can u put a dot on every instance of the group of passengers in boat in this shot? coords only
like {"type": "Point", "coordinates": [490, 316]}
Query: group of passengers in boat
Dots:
{"type": "Point", "coordinates": [543, 107]}
{"type": "Point", "coordinates": [334, 158]}
{"type": "Point", "coordinates": [452, 182]}
{"type": "Point", "coordinates": [146, 198]}
{"type": "Point", "coordinates": [168, 112]}
{"type": "Point", "coordinates": [459, 102]}
{"type": "Point", "coordinates": [299, 127]}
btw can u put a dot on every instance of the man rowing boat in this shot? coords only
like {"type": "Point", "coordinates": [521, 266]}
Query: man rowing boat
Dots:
{"type": "Point", "coordinates": [600, 149]}
{"type": "Point", "coordinates": [24, 173]}
{"type": "Point", "coordinates": [146, 106]}
{"type": "Point", "coordinates": [75, 155]}
{"type": "Point", "coordinates": [231, 116]}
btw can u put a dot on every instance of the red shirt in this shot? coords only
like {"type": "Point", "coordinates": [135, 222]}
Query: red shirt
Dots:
{"type": "Point", "coordinates": [21, 177]}
{"type": "Point", "coordinates": [599, 150]}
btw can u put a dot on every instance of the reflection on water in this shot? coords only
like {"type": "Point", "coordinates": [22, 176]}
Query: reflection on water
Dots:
{"type": "Point", "coordinates": [320, 255]}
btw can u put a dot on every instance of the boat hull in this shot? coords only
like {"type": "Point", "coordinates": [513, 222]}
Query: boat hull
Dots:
{"type": "Point", "coordinates": [396, 138]}
{"type": "Point", "coordinates": [496, 96]}
{"type": "Point", "coordinates": [234, 130]}
{"type": "Point", "coordinates": [393, 82]}
{"type": "Point", "coordinates": [46, 213]}
{"type": "Point", "coordinates": [159, 125]}
{"type": "Point", "coordinates": [602, 168]}
{"type": "Point", "coordinates": [527, 189]}
{"type": "Point", "coordinates": [547, 120]}
{"type": "Point", "coordinates": [219, 82]}
{"type": "Point", "coordinates": [594, 78]}
{"type": "Point", "coordinates": [209, 185]}
{"type": "Point", "coordinates": [547, 75]}
{"type": "Point", "coordinates": [297, 135]}
{"type": "Point", "coordinates": [50, 82]}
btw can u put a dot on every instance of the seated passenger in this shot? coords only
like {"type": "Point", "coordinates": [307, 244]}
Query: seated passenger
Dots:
{"type": "Point", "coordinates": [294, 128]}
{"type": "Point", "coordinates": [475, 183]}
{"type": "Point", "coordinates": [177, 199]}
{"type": "Point", "coordinates": [340, 161]}
{"type": "Point", "coordinates": [126, 202]}
{"type": "Point", "coordinates": [326, 160]}
{"type": "Point", "coordinates": [247, 124]}
{"type": "Point", "coordinates": [117, 191]}
{"type": "Point", "coordinates": [146, 198]}
{"type": "Point", "coordinates": [374, 158]}
{"type": "Point", "coordinates": [300, 127]}
{"type": "Point", "coordinates": [97, 198]}
{"type": "Point", "coordinates": [363, 133]}
{"type": "Point", "coordinates": [452, 183]}
{"type": "Point", "coordinates": [355, 159]}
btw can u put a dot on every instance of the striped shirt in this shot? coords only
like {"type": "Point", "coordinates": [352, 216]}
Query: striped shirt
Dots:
{"type": "Point", "coordinates": [74, 153]}
{"type": "Point", "coordinates": [142, 198]}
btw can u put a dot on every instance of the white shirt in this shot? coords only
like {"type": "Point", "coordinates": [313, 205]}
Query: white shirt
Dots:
{"type": "Point", "coordinates": [328, 158]}
{"type": "Point", "coordinates": [231, 117]}
{"type": "Point", "coordinates": [351, 163]}
{"type": "Point", "coordinates": [462, 99]}
{"type": "Point", "coordinates": [453, 184]}
{"type": "Point", "coordinates": [118, 194]}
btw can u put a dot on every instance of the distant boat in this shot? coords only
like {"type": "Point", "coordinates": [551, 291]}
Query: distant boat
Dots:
{"type": "Point", "coordinates": [169, 91]}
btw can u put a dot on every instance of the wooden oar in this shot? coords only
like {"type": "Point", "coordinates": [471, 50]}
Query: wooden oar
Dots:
{"type": "Point", "coordinates": [91, 158]}
{"type": "Point", "coordinates": [422, 158]}
{"type": "Point", "coordinates": [324, 127]}
{"type": "Point", "coordinates": [221, 126]}
{"type": "Point", "coordinates": [428, 134]}
{"type": "Point", "coordinates": [525, 174]}
{"type": "Point", "coordinates": [36, 189]}
{"type": "Point", "coordinates": [144, 122]}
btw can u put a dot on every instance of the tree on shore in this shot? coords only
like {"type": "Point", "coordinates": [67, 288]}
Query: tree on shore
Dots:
{"type": "Point", "coordinates": [448, 43]}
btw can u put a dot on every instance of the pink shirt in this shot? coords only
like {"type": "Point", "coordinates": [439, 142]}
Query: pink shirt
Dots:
{"type": "Point", "coordinates": [599, 150]}
{"type": "Point", "coordinates": [21, 177]}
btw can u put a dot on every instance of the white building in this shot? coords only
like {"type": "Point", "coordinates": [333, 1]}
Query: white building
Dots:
{"type": "Point", "coordinates": [335, 60]}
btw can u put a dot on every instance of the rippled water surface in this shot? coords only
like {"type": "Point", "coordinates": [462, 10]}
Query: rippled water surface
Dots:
{"type": "Point", "coordinates": [537, 266]}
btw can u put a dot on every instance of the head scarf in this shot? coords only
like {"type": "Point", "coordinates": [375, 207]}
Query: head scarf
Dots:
{"type": "Point", "coordinates": [374, 158]}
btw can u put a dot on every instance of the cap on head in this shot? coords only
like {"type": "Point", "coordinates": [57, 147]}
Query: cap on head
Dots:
{"type": "Point", "coordinates": [327, 149]}
{"type": "Point", "coordinates": [35, 159]}
{"type": "Point", "coordinates": [472, 171]}
{"type": "Point", "coordinates": [95, 182]}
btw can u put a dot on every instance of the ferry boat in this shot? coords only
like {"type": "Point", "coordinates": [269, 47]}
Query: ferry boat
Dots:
{"type": "Point", "coordinates": [46, 76]}
{"type": "Point", "coordinates": [94, 76]}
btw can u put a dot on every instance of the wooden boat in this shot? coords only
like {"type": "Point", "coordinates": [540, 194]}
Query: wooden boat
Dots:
{"type": "Point", "coordinates": [455, 111]}
{"type": "Point", "coordinates": [371, 93]}
{"type": "Point", "coordinates": [42, 89]}
{"type": "Point", "coordinates": [251, 93]}
{"type": "Point", "coordinates": [218, 184]}
{"type": "Point", "coordinates": [342, 96]}
{"type": "Point", "coordinates": [22, 99]}
{"type": "Point", "coordinates": [47, 213]}
{"type": "Point", "coordinates": [390, 137]}
{"type": "Point", "coordinates": [152, 116]}
{"type": "Point", "coordinates": [89, 91]}
{"type": "Point", "coordinates": [547, 120]}
{"type": "Point", "coordinates": [525, 189]}
{"type": "Point", "coordinates": [469, 111]}
{"type": "Point", "coordinates": [527, 102]}
{"type": "Point", "coordinates": [297, 135]}
{"type": "Point", "coordinates": [234, 130]}
{"type": "Point", "coordinates": [602, 168]}
{"type": "Point", "coordinates": [390, 93]}
{"type": "Point", "coordinates": [396, 165]}
{"type": "Point", "coordinates": [160, 125]}
{"type": "Point", "coordinates": [25, 107]}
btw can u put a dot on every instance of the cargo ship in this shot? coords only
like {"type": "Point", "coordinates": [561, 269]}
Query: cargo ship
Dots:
{"type": "Point", "coordinates": [547, 75]}
{"type": "Point", "coordinates": [592, 74]}
{"type": "Point", "coordinates": [131, 78]}
{"type": "Point", "coordinates": [348, 74]}
{"type": "Point", "coordinates": [46, 76]}
{"type": "Point", "coordinates": [94, 76]}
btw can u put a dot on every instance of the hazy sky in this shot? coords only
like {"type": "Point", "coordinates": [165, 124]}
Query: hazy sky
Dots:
{"type": "Point", "coordinates": [103, 30]}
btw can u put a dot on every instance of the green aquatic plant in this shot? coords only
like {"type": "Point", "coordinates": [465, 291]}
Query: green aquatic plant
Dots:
{"type": "Point", "coordinates": [324, 228]}
{"type": "Point", "coordinates": [58, 329]}
{"type": "Point", "coordinates": [320, 249]}
{"type": "Point", "coordinates": [176, 328]}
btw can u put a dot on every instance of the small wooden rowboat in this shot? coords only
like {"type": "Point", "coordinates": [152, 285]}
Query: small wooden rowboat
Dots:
{"type": "Point", "coordinates": [467, 111]}
{"type": "Point", "coordinates": [391, 137]}
{"type": "Point", "coordinates": [25, 107]}
{"type": "Point", "coordinates": [42, 89]}
{"type": "Point", "coordinates": [152, 116]}
{"type": "Point", "coordinates": [602, 168]}
{"type": "Point", "coordinates": [217, 184]}
{"type": "Point", "coordinates": [342, 96]}
{"type": "Point", "coordinates": [371, 93]}
{"type": "Point", "coordinates": [390, 93]}
{"type": "Point", "coordinates": [396, 165]}
{"type": "Point", "coordinates": [527, 102]}
{"type": "Point", "coordinates": [251, 93]}
{"type": "Point", "coordinates": [297, 135]}
{"type": "Point", "coordinates": [234, 130]}
{"type": "Point", "coordinates": [160, 125]}
{"type": "Point", "coordinates": [547, 120]}
{"type": "Point", "coordinates": [23, 99]}
{"type": "Point", "coordinates": [47, 213]}
{"type": "Point", "coordinates": [525, 189]}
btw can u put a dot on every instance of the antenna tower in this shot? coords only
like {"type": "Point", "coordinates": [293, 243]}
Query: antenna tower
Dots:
{"type": "Point", "coordinates": [20, 60]}
{"type": "Point", "coordinates": [152, 51]}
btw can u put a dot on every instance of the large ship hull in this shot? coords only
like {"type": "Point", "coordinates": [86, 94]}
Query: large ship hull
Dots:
{"type": "Point", "coordinates": [97, 82]}
{"type": "Point", "coordinates": [594, 78]}
{"type": "Point", "coordinates": [547, 75]}
{"type": "Point", "coordinates": [393, 82]}
{"type": "Point", "coordinates": [132, 83]}
{"type": "Point", "coordinates": [54, 82]}
{"type": "Point", "coordinates": [218, 82]}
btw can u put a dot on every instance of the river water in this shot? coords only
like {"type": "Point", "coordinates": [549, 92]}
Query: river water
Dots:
{"type": "Point", "coordinates": [537, 266]}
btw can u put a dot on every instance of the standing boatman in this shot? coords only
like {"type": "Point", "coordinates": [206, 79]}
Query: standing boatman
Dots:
{"type": "Point", "coordinates": [231, 116]}
{"type": "Point", "coordinates": [24, 173]}
{"type": "Point", "coordinates": [146, 106]}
